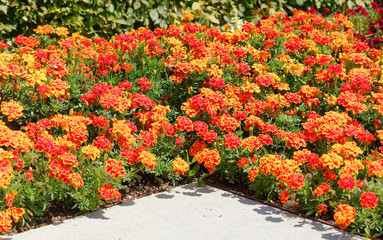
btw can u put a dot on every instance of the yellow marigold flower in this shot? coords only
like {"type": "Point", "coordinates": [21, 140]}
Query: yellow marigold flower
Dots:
{"type": "Point", "coordinates": [180, 166]}
{"type": "Point", "coordinates": [331, 160]}
{"type": "Point", "coordinates": [148, 159]}
{"type": "Point", "coordinates": [12, 109]}
{"type": "Point", "coordinates": [62, 31]}
{"type": "Point", "coordinates": [91, 151]}
{"type": "Point", "coordinates": [46, 29]}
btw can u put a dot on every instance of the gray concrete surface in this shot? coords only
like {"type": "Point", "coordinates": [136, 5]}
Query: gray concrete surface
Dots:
{"type": "Point", "coordinates": [187, 212]}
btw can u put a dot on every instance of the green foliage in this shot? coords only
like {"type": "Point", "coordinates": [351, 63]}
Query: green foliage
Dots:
{"type": "Point", "coordinates": [95, 18]}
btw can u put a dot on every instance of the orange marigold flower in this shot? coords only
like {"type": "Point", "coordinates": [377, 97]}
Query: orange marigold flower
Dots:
{"type": "Point", "coordinates": [252, 174]}
{"type": "Point", "coordinates": [16, 213]}
{"type": "Point", "coordinates": [197, 147]}
{"type": "Point", "coordinates": [108, 192]}
{"type": "Point", "coordinates": [296, 181]}
{"type": "Point", "coordinates": [368, 200]}
{"type": "Point", "coordinates": [330, 176]}
{"type": "Point", "coordinates": [232, 141]}
{"type": "Point", "coordinates": [188, 16]}
{"type": "Point", "coordinates": [324, 188]}
{"type": "Point", "coordinates": [180, 166]}
{"type": "Point", "coordinates": [46, 29]}
{"type": "Point", "coordinates": [115, 168]}
{"type": "Point", "coordinates": [344, 215]}
{"type": "Point", "coordinates": [10, 198]}
{"type": "Point", "coordinates": [331, 160]}
{"type": "Point", "coordinates": [210, 157]}
{"type": "Point", "coordinates": [5, 173]}
{"type": "Point", "coordinates": [77, 180]}
{"type": "Point", "coordinates": [376, 168]}
{"type": "Point", "coordinates": [91, 151]}
{"type": "Point", "coordinates": [184, 124]}
{"type": "Point", "coordinates": [29, 175]}
{"type": "Point", "coordinates": [243, 162]}
{"type": "Point", "coordinates": [5, 222]}
{"type": "Point", "coordinates": [144, 83]}
{"type": "Point", "coordinates": [322, 209]}
{"type": "Point", "coordinates": [284, 197]}
{"type": "Point", "coordinates": [228, 124]}
{"type": "Point", "coordinates": [12, 109]}
{"type": "Point", "coordinates": [62, 31]}
{"type": "Point", "coordinates": [148, 159]}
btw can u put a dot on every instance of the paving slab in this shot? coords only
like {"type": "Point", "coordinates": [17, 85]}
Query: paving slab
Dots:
{"type": "Point", "coordinates": [187, 212]}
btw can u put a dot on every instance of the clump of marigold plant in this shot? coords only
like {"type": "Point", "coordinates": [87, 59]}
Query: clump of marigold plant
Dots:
{"type": "Point", "coordinates": [12, 109]}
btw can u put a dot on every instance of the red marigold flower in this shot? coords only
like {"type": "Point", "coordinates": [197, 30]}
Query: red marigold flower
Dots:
{"type": "Point", "coordinates": [114, 168]}
{"type": "Point", "coordinates": [243, 162]}
{"type": "Point", "coordinates": [29, 175]}
{"type": "Point", "coordinates": [179, 141]}
{"type": "Point", "coordinates": [197, 147]}
{"type": "Point", "coordinates": [368, 200]}
{"type": "Point", "coordinates": [228, 124]}
{"type": "Point", "coordinates": [144, 83]}
{"type": "Point", "coordinates": [284, 197]}
{"type": "Point", "coordinates": [12, 109]}
{"type": "Point", "coordinates": [324, 188]}
{"type": "Point", "coordinates": [216, 83]}
{"type": "Point", "coordinates": [180, 166]}
{"type": "Point", "coordinates": [100, 121]}
{"type": "Point", "coordinates": [232, 141]}
{"type": "Point", "coordinates": [296, 181]}
{"type": "Point", "coordinates": [346, 183]}
{"type": "Point", "coordinates": [330, 176]}
{"type": "Point", "coordinates": [184, 124]}
{"type": "Point", "coordinates": [252, 174]}
{"type": "Point", "coordinates": [322, 209]}
{"type": "Point", "coordinates": [344, 215]}
{"type": "Point", "coordinates": [108, 192]}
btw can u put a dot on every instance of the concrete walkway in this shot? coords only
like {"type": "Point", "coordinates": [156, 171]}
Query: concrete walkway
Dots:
{"type": "Point", "coordinates": [187, 212]}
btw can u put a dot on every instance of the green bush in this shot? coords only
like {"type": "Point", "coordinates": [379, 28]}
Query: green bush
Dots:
{"type": "Point", "coordinates": [95, 18]}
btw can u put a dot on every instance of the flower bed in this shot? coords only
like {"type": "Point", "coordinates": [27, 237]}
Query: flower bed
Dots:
{"type": "Point", "coordinates": [292, 105]}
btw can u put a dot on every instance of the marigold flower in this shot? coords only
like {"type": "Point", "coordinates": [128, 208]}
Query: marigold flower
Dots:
{"type": "Point", "coordinates": [368, 200]}
{"type": "Point", "coordinates": [77, 180]}
{"type": "Point", "coordinates": [330, 176]}
{"type": "Point", "coordinates": [114, 168]}
{"type": "Point", "coordinates": [12, 109]}
{"type": "Point", "coordinates": [108, 192]}
{"type": "Point", "coordinates": [91, 151]}
{"type": "Point", "coordinates": [180, 166]}
{"type": "Point", "coordinates": [346, 183]}
{"type": "Point", "coordinates": [184, 124]}
{"type": "Point", "coordinates": [62, 31]}
{"type": "Point", "coordinates": [243, 162]}
{"type": "Point", "coordinates": [296, 181]}
{"type": "Point", "coordinates": [46, 29]}
{"type": "Point", "coordinates": [344, 215]}
{"type": "Point", "coordinates": [322, 209]}
{"type": "Point", "coordinates": [16, 213]}
{"type": "Point", "coordinates": [5, 222]}
{"type": "Point", "coordinates": [284, 197]}
{"type": "Point", "coordinates": [232, 141]}
{"type": "Point", "coordinates": [144, 83]}
{"type": "Point", "coordinates": [211, 158]}
{"type": "Point", "coordinates": [197, 147]}
{"type": "Point", "coordinates": [10, 197]}
{"type": "Point", "coordinates": [148, 159]}
{"type": "Point", "coordinates": [324, 188]}
{"type": "Point", "coordinates": [252, 174]}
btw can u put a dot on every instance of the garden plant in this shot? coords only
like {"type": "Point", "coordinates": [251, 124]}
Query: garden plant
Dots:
{"type": "Point", "coordinates": [292, 106]}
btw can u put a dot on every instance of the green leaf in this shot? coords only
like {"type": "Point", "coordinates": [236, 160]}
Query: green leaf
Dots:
{"type": "Point", "coordinates": [213, 19]}
{"type": "Point", "coordinates": [136, 5]}
{"type": "Point", "coordinates": [153, 14]}
{"type": "Point", "coordinates": [4, 8]}
{"type": "Point", "coordinates": [300, 2]}
{"type": "Point", "coordinates": [201, 183]}
{"type": "Point", "coordinates": [196, 6]}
